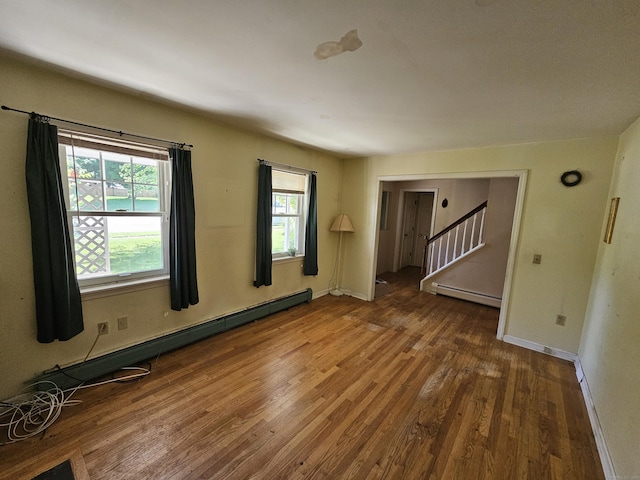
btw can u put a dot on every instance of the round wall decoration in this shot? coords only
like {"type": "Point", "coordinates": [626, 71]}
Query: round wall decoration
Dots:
{"type": "Point", "coordinates": [571, 178]}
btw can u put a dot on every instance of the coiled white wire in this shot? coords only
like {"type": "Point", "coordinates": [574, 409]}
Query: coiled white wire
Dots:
{"type": "Point", "coordinates": [31, 413]}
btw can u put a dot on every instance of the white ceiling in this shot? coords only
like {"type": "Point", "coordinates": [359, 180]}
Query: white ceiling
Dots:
{"type": "Point", "coordinates": [430, 74]}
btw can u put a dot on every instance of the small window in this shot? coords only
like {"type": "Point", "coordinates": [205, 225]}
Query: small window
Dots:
{"type": "Point", "coordinates": [288, 207]}
{"type": "Point", "coordinates": [117, 202]}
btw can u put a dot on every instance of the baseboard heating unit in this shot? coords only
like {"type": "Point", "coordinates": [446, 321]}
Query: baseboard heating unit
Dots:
{"type": "Point", "coordinates": [72, 376]}
{"type": "Point", "coordinates": [476, 297]}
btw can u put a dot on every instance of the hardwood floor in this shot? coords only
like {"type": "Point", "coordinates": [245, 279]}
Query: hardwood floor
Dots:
{"type": "Point", "coordinates": [408, 386]}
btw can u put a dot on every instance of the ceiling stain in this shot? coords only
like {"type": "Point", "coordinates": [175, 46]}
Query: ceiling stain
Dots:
{"type": "Point", "coordinates": [349, 43]}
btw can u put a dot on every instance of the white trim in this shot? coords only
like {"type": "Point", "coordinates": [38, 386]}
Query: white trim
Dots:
{"type": "Point", "coordinates": [511, 259]}
{"type": "Point", "coordinates": [108, 289]}
{"type": "Point", "coordinates": [318, 294]}
{"type": "Point", "coordinates": [537, 347]}
{"type": "Point", "coordinates": [287, 259]}
{"type": "Point", "coordinates": [482, 298]}
{"type": "Point", "coordinates": [359, 296]}
{"type": "Point", "coordinates": [601, 444]}
{"type": "Point", "coordinates": [346, 293]}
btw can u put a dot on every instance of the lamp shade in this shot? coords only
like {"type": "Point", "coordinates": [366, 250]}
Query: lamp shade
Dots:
{"type": "Point", "coordinates": [342, 223]}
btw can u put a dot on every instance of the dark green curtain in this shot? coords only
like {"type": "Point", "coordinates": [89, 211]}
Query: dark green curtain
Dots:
{"type": "Point", "coordinates": [58, 302]}
{"type": "Point", "coordinates": [183, 282]}
{"type": "Point", "coordinates": [311, 231]}
{"type": "Point", "coordinates": [263, 240]}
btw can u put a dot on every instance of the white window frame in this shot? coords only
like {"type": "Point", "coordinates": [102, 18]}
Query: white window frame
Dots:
{"type": "Point", "coordinates": [301, 215]}
{"type": "Point", "coordinates": [138, 150]}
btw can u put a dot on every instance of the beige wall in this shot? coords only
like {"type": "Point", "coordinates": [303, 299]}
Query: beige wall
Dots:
{"type": "Point", "coordinates": [484, 271]}
{"type": "Point", "coordinates": [225, 179]}
{"type": "Point", "coordinates": [610, 347]}
{"type": "Point", "coordinates": [563, 224]}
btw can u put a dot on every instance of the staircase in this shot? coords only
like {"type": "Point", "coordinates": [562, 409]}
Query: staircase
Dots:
{"type": "Point", "coordinates": [457, 241]}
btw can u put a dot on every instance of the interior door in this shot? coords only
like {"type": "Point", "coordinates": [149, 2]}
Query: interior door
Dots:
{"type": "Point", "coordinates": [408, 228]}
{"type": "Point", "coordinates": [423, 225]}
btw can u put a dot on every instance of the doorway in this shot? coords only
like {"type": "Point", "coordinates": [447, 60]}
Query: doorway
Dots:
{"type": "Point", "coordinates": [417, 225]}
{"type": "Point", "coordinates": [514, 229]}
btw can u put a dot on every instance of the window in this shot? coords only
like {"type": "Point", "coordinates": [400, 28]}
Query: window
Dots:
{"type": "Point", "coordinates": [117, 202]}
{"type": "Point", "coordinates": [288, 207]}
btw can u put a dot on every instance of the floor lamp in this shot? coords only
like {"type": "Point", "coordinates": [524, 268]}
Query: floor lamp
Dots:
{"type": "Point", "coordinates": [341, 224]}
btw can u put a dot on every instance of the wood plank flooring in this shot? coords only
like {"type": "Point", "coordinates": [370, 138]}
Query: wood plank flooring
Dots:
{"type": "Point", "coordinates": [409, 386]}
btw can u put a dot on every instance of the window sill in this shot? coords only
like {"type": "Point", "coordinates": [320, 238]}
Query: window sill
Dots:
{"type": "Point", "coordinates": [287, 259]}
{"type": "Point", "coordinates": [109, 289]}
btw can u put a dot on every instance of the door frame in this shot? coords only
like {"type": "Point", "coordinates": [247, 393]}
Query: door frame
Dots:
{"type": "Point", "coordinates": [397, 251]}
{"type": "Point", "coordinates": [521, 175]}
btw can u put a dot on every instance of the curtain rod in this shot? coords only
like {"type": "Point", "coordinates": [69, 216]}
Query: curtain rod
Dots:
{"type": "Point", "coordinates": [288, 167]}
{"type": "Point", "coordinates": [121, 133]}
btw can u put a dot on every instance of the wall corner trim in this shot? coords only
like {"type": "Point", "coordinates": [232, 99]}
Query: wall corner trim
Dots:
{"type": "Point", "coordinates": [598, 434]}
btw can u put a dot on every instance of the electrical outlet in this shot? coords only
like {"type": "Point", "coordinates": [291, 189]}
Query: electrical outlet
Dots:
{"type": "Point", "coordinates": [561, 320]}
{"type": "Point", "coordinates": [123, 323]}
{"type": "Point", "coordinates": [537, 259]}
{"type": "Point", "coordinates": [547, 350]}
{"type": "Point", "coordinates": [103, 328]}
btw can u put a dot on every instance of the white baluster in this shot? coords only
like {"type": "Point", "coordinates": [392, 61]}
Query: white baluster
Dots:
{"type": "Point", "coordinates": [446, 254]}
{"type": "Point", "coordinates": [455, 243]}
{"type": "Point", "coordinates": [433, 247]}
{"type": "Point", "coordinates": [464, 237]}
{"type": "Point", "coordinates": [482, 225]}
{"type": "Point", "coordinates": [473, 231]}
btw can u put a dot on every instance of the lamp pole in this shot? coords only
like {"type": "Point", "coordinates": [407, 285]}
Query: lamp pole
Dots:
{"type": "Point", "coordinates": [336, 292]}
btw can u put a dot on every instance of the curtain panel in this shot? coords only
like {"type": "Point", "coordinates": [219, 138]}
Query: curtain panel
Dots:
{"type": "Point", "coordinates": [311, 231]}
{"type": "Point", "coordinates": [183, 283]}
{"type": "Point", "coordinates": [58, 301]}
{"type": "Point", "coordinates": [263, 234]}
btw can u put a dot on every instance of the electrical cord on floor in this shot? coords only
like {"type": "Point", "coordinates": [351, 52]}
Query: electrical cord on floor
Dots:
{"type": "Point", "coordinates": [30, 413]}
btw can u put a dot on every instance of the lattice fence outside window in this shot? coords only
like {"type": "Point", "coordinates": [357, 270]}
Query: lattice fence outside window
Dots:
{"type": "Point", "coordinates": [92, 249]}
{"type": "Point", "coordinates": [90, 195]}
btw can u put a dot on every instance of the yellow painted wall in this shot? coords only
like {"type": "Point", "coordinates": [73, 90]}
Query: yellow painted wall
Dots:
{"type": "Point", "coordinates": [225, 182]}
{"type": "Point", "coordinates": [563, 224]}
{"type": "Point", "coordinates": [610, 347]}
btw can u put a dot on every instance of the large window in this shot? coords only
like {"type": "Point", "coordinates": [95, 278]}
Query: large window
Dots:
{"type": "Point", "coordinates": [289, 206]}
{"type": "Point", "coordinates": [117, 202]}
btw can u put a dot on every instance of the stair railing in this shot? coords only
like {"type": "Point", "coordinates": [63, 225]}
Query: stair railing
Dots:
{"type": "Point", "coordinates": [458, 240]}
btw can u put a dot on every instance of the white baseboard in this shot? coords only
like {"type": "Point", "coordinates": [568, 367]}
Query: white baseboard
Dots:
{"type": "Point", "coordinates": [476, 297]}
{"type": "Point", "coordinates": [537, 347]}
{"type": "Point", "coordinates": [359, 296]}
{"type": "Point", "coordinates": [603, 451]}
{"type": "Point", "coordinates": [348, 293]}
{"type": "Point", "coordinates": [318, 294]}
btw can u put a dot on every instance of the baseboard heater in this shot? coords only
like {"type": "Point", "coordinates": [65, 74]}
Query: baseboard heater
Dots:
{"type": "Point", "coordinates": [468, 295]}
{"type": "Point", "coordinates": [72, 375]}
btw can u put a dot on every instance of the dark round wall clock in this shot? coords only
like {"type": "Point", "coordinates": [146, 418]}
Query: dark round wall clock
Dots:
{"type": "Point", "coordinates": [571, 178]}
